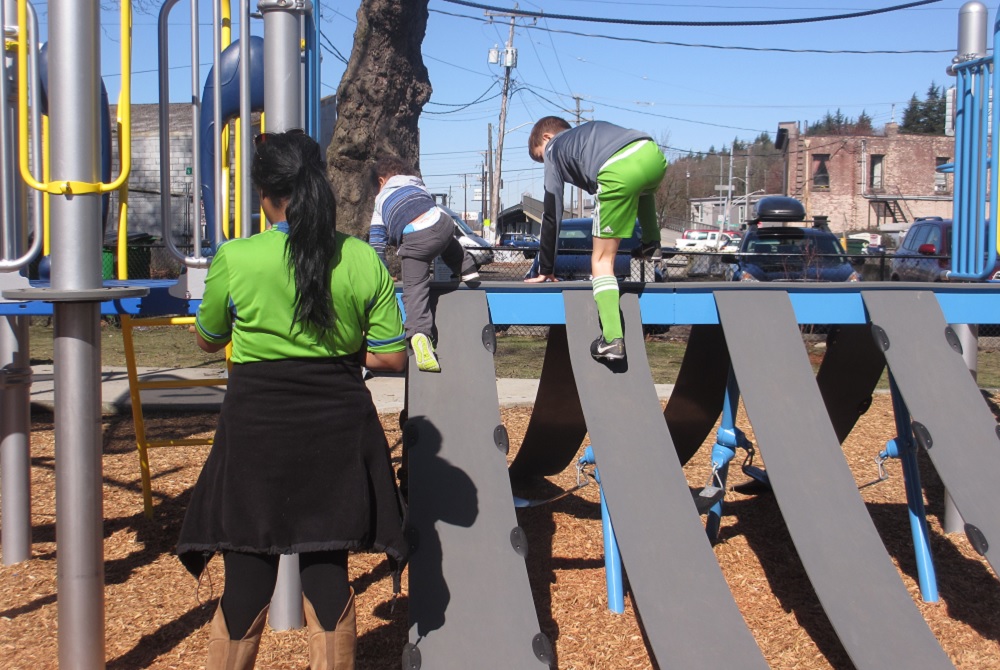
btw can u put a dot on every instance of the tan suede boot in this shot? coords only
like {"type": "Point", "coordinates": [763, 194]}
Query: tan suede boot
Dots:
{"type": "Point", "coordinates": [332, 650]}
{"type": "Point", "coordinates": [226, 654]}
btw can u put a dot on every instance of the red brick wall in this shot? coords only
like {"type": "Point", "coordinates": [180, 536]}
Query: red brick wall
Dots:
{"type": "Point", "coordinates": [908, 176]}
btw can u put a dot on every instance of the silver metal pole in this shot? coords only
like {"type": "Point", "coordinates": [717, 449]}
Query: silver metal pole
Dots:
{"type": "Point", "coordinates": [973, 19]}
{"type": "Point", "coordinates": [968, 335]}
{"type": "Point", "coordinates": [282, 108]}
{"type": "Point", "coordinates": [6, 131]}
{"type": "Point", "coordinates": [217, 121]}
{"type": "Point", "coordinates": [15, 373]}
{"type": "Point", "coordinates": [15, 442]}
{"type": "Point", "coordinates": [74, 64]}
{"type": "Point", "coordinates": [195, 125]}
{"type": "Point", "coordinates": [196, 259]}
{"type": "Point", "coordinates": [246, 116]}
{"type": "Point", "coordinates": [282, 75]}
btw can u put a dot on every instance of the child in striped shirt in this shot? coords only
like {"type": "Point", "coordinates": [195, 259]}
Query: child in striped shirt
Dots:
{"type": "Point", "coordinates": [407, 217]}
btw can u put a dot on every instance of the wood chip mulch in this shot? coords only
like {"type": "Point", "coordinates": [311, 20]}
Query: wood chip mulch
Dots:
{"type": "Point", "coordinates": [156, 616]}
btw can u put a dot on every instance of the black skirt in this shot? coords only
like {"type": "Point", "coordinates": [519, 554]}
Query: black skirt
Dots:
{"type": "Point", "coordinates": [299, 463]}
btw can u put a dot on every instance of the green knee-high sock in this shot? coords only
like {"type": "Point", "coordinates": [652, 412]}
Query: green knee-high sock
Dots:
{"type": "Point", "coordinates": [606, 297]}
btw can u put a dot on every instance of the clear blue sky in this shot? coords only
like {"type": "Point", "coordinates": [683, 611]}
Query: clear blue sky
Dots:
{"type": "Point", "coordinates": [726, 83]}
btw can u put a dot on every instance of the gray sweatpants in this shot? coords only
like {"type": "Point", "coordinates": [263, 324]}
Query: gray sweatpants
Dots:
{"type": "Point", "coordinates": [417, 252]}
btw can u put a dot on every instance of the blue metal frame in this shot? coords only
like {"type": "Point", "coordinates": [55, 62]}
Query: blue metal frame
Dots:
{"type": "Point", "coordinates": [661, 304]}
{"type": "Point", "coordinates": [312, 78]}
{"type": "Point", "coordinates": [974, 236]}
{"type": "Point", "coordinates": [612, 555]}
{"type": "Point", "coordinates": [727, 439]}
{"type": "Point", "coordinates": [903, 447]}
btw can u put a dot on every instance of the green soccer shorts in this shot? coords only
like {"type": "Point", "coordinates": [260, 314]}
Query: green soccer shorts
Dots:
{"type": "Point", "coordinates": [625, 187]}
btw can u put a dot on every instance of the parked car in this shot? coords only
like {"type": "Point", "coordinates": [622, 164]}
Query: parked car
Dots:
{"type": "Point", "coordinates": [527, 242]}
{"type": "Point", "coordinates": [703, 240]}
{"type": "Point", "coordinates": [477, 247]}
{"type": "Point", "coordinates": [787, 253]}
{"type": "Point", "coordinates": [925, 254]}
{"type": "Point", "coordinates": [573, 252]}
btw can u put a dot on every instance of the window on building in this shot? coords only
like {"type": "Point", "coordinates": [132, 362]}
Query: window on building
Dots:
{"type": "Point", "coordinates": [820, 175]}
{"type": "Point", "coordinates": [941, 178]}
{"type": "Point", "coordinates": [876, 174]}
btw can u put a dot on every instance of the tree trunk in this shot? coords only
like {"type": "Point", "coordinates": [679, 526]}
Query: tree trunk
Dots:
{"type": "Point", "coordinates": [379, 102]}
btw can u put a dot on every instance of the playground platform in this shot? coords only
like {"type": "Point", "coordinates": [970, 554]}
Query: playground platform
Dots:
{"type": "Point", "coordinates": [387, 390]}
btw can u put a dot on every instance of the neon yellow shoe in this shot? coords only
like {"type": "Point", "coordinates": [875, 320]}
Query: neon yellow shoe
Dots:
{"type": "Point", "coordinates": [423, 349]}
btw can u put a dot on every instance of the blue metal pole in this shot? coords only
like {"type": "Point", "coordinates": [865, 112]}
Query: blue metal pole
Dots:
{"type": "Point", "coordinates": [726, 441]}
{"type": "Point", "coordinates": [612, 555]}
{"type": "Point", "coordinates": [903, 447]}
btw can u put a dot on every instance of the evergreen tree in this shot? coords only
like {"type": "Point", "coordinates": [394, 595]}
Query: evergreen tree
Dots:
{"type": "Point", "coordinates": [925, 117]}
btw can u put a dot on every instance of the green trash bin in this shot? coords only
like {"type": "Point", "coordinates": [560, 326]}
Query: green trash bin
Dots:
{"type": "Point", "coordinates": [108, 263]}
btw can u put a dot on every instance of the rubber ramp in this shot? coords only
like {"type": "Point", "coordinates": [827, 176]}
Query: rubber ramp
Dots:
{"type": "Point", "coordinates": [848, 375]}
{"type": "Point", "coordinates": [860, 590]}
{"type": "Point", "coordinates": [685, 605]}
{"type": "Point", "coordinates": [695, 403]}
{"type": "Point", "coordinates": [951, 421]}
{"type": "Point", "coordinates": [470, 601]}
{"type": "Point", "coordinates": [556, 428]}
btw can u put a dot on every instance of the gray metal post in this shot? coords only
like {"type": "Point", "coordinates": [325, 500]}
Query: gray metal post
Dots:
{"type": "Point", "coordinates": [15, 440]}
{"type": "Point", "coordinates": [76, 291]}
{"type": "Point", "coordinates": [973, 19]}
{"type": "Point", "coordinates": [282, 110]}
{"type": "Point", "coordinates": [246, 114]}
{"type": "Point", "coordinates": [968, 335]}
{"type": "Point", "coordinates": [74, 117]}
{"type": "Point", "coordinates": [282, 56]}
{"type": "Point", "coordinates": [15, 373]}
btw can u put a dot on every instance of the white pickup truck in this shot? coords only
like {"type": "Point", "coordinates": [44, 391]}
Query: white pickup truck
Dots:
{"type": "Point", "coordinates": [706, 240]}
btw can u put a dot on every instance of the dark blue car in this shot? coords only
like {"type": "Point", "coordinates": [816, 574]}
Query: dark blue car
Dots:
{"type": "Point", "coordinates": [790, 254]}
{"type": "Point", "coordinates": [574, 247]}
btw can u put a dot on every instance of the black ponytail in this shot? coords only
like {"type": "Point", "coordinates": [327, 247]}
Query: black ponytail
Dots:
{"type": "Point", "coordinates": [290, 166]}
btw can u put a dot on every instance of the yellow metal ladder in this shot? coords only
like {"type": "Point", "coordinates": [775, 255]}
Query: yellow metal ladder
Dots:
{"type": "Point", "coordinates": [137, 385]}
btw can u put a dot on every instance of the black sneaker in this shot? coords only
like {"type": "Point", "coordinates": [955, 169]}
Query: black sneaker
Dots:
{"type": "Point", "coordinates": [647, 251]}
{"type": "Point", "coordinates": [608, 351]}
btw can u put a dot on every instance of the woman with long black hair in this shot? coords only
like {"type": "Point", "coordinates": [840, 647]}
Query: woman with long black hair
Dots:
{"type": "Point", "coordinates": [299, 463]}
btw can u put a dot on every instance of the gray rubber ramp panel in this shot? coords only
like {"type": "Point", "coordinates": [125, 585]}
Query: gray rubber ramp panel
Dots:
{"type": "Point", "coordinates": [695, 403]}
{"type": "Point", "coordinates": [950, 417]}
{"type": "Point", "coordinates": [677, 586]}
{"type": "Point", "coordinates": [859, 588]}
{"type": "Point", "coordinates": [556, 428]}
{"type": "Point", "coordinates": [470, 600]}
{"type": "Point", "coordinates": [848, 375]}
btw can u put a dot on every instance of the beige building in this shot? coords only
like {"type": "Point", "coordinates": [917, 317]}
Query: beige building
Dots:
{"type": "Point", "coordinates": [863, 182]}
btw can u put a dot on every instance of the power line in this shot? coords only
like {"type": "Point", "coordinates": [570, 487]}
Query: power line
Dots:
{"type": "Point", "coordinates": [460, 106]}
{"type": "Point", "coordinates": [715, 24]}
{"type": "Point", "coordinates": [720, 47]}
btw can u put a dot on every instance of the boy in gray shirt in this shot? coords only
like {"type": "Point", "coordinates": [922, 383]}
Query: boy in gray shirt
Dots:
{"type": "Point", "coordinates": [622, 169]}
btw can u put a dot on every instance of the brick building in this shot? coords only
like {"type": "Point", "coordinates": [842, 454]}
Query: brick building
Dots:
{"type": "Point", "coordinates": [862, 182]}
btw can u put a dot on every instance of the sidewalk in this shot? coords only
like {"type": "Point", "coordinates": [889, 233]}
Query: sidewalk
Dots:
{"type": "Point", "coordinates": [387, 390]}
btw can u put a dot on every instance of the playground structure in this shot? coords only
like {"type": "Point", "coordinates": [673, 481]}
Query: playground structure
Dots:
{"type": "Point", "coordinates": [469, 596]}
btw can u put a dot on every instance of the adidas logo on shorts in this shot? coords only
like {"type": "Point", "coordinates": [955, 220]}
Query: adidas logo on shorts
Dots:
{"type": "Point", "coordinates": [606, 229]}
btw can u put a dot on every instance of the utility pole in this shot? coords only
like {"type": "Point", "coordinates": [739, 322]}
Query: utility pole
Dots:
{"type": "Point", "coordinates": [489, 190]}
{"type": "Point", "coordinates": [579, 120]}
{"type": "Point", "coordinates": [483, 190]}
{"type": "Point", "coordinates": [729, 193]}
{"type": "Point", "coordinates": [509, 62]}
